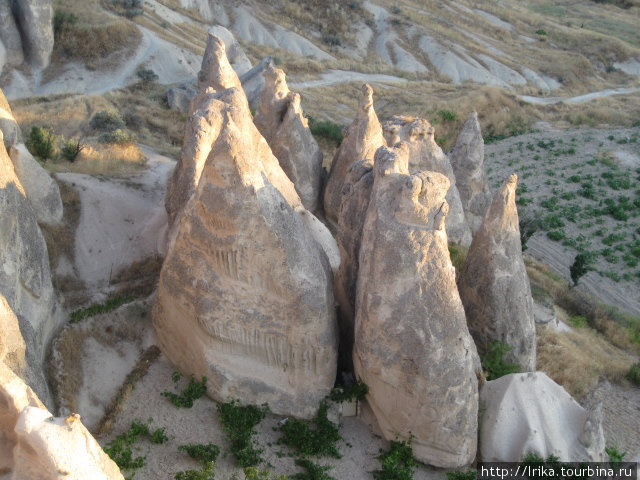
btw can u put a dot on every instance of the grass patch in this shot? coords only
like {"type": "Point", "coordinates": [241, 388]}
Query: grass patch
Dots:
{"type": "Point", "coordinates": [239, 424]}
{"type": "Point", "coordinates": [99, 308]}
{"type": "Point", "coordinates": [633, 375]}
{"type": "Point", "coordinates": [326, 129]}
{"type": "Point", "coordinates": [397, 463]}
{"type": "Point", "coordinates": [494, 364]}
{"type": "Point", "coordinates": [317, 437]}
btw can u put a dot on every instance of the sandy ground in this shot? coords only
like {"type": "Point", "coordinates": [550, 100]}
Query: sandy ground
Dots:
{"type": "Point", "coordinates": [580, 98]}
{"type": "Point", "coordinates": [342, 76]}
{"type": "Point", "coordinates": [123, 219]}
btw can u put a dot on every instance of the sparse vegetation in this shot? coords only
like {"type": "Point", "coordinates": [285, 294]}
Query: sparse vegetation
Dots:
{"type": "Point", "coordinates": [634, 374]}
{"type": "Point", "coordinates": [326, 129]}
{"type": "Point", "coordinates": [312, 471]}
{"type": "Point", "coordinates": [206, 472]}
{"type": "Point", "coordinates": [193, 391]}
{"type": "Point", "coordinates": [41, 142]}
{"type": "Point", "coordinates": [347, 393]}
{"type": "Point", "coordinates": [317, 437]}
{"type": "Point", "coordinates": [120, 449]}
{"type": "Point", "coordinates": [203, 453]}
{"type": "Point", "coordinates": [107, 121]}
{"type": "Point", "coordinates": [494, 364]}
{"type": "Point", "coordinates": [615, 455]}
{"type": "Point", "coordinates": [71, 149]}
{"type": "Point", "coordinates": [99, 308]}
{"type": "Point", "coordinates": [239, 423]}
{"type": "Point", "coordinates": [397, 463]}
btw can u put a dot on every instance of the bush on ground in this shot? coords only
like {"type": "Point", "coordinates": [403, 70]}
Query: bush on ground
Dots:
{"type": "Point", "coordinates": [40, 142]}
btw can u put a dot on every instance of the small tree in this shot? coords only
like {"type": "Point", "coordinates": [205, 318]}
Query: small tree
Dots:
{"type": "Point", "coordinates": [147, 76]}
{"type": "Point", "coordinates": [581, 265]}
{"type": "Point", "coordinates": [71, 149]}
{"type": "Point", "coordinates": [529, 224]}
{"type": "Point", "coordinates": [40, 142]}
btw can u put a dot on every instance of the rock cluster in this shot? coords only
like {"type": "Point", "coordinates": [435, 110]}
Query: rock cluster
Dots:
{"type": "Point", "coordinates": [408, 313]}
{"type": "Point", "coordinates": [26, 32]}
{"type": "Point", "coordinates": [245, 296]}
{"type": "Point", "coordinates": [494, 284]}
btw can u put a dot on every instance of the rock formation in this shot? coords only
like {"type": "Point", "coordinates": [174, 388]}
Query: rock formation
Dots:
{"type": "Point", "coordinates": [253, 81]}
{"type": "Point", "coordinates": [34, 445]}
{"type": "Point", "coordinates": [12, 346]}
{"type": "Point", "coordinates": [529, 412]}
{"type": "Point", "coordinates": [280, 120]}
{"type": "Point", "coordinates": [216, 72]}
{"type": "Point", "coordinates": [426, 155]}
{"type": "Point", "coordinates": [237, 58]}
{"type": "Point", "coordinates": [41, 190]}
{"type": "Point", "coordinates": [494, 285]}
{"type": "Point", "coordinates": [25, 278]}
{"type": "Point", "coordinates": [8, 124]}
{"type": "Point", "coordinates": [26, 32]}
{"type": "Point", "coordinates": [361, 140]}
{"type": "Point", "coordinates": [245, 294]}
{"type": "Point", "coordinates": [467, 160]}
{"type": "Point", "coordinates": [412, 346]}
{"type": "Point", "coordinates": [353, 211]}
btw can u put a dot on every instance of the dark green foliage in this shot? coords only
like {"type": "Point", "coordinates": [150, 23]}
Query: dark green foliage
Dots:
{"type": "Point", "coordinates": [71, 149]}
{"type": "Point", "coordinates": [615, 456]}
{"type": "Point", "coordinates": [494, 364]}
{"type": "Point", "coordinates": [40, 142]}
{"type": "Point", "coordinates": [316, 437]}
{"type": "Point", "coordinates": [120, 448]}
{"type": "Point", "coordinates": [447, 115]}
{"type": "Point", "coordinates": [63, 21]}
{"type": "Point", "coordinates": [326, 129]}
{"type": "Point", "coordinates": [580, 266]}
{"type": "Point", "coordinates": [106, 121]}
{"type": "Point", "coordinates": [190, 394]}
{"type": "Point", "coordinates": [119, 137]}
{"type": "Point", "coordinates": [634, 374]}
{"type": "Point", "coordinates": [468, 475]}
{"type": "Point", "coordinates": [529, 224]}
{"type": "Point", "coordinates": [313, 471]}
{"type": "Point", "coordinates": [203, 453]}
{"type": "Point", "coordinates": [587, 190]}
{"type": "Point", "coordinates": [618, 3]}
{"type": "Point", "coordinates": [99, 308]}
{"type": "Point", "coordinates": [239, 424]}
{"type": "Point", "coordinates": [357, 391]}
{"type": "Point", "coordinates": [159, 436]}
{"type": "Point", "coordinates": [147, 75]}
{"type": "Point", "coordinates": [540, 31]}
{"type": "Point", "coordinates": [205, 473]}
{"type": "Point", "coordinates": [397, 463]}
{"type": "Point", "coordinates": [557, 235]}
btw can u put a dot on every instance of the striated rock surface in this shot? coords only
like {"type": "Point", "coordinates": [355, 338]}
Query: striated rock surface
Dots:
{"type": "Point", "coordinates": [467, 160]}
{"type": "Point", "coordinates": [280, 120]}
{"type": "Point", "coordinates": [494, 285]}
{"type": "Point", "coordinates": [25, 279]}
{"type": "Point", "coordinates": [8, 124]}
{"type": "Point", "coordinates": [216, 72]}
{"type": "Point", "coordinates": [10, 42]}
{"type": "Point", "coordinates": [362, 138]}
{"type": "Point", "coordinates": [253, 81]}
{"type": "Point", "coordinates": [426, 155]}
{"type": "Point", "coordinates": [12, 347]}
{"type": "Point", "coordinates": [245, 296]}
{"type": "Point", "coordinates": [34, 445]}
{"type": "Point", "coordinates": [34, 19]}
{"type": "Point", "coordinates": [353, 211]}
{"type": "Point", "coordinates": [237, 58]}
{"type": "Point", "coordinates": [529, 412]}
{"type": "Point", "coordinates": [412, 346]}
{"type": "Point", "coordinates": [42, 190]}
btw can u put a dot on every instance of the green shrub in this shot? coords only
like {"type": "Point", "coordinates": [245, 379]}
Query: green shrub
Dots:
{"type": "Point", "coordinates": [159, 436]}
{"type": "Point", "coordinates": [493, 363]}
{"type": "Point", "coordinates": [397, 463]}
{"type": "Point", "coordinates": [99, 308]}
{"type": "Point", "coordinates": [540, 31]}
{"type": "Point", "coordinates": [578, 321]}
{"type": "Point", "coordinates": [582, 263]}
{"type": "Point", "coordinates": [239, 424]}
{"type": "Point", "coordinates": [205, 473]}
{"type": "Point", "coordinates": [326, 129]}
{"type": "Point", "coordinates": [71, 149]}
{"type": "Point", "coordinates": [447, 115]}
{"type": "Point", "coordinates": [40, 142]}
{"type": "Point", "coordinates": [190, 394]}
{"type": "Point", "coordinates": [119, 136]}
{"type": "Point", "coordinates": [557, 235]}
{"type": "Point", "coordinates": [313, 471]}
{"type": "Point", "coordinates": [357, 391]}
{"type": "Point", "coordinates": [107, 121]}
{"type": "Point", "coordinates": [120, 448]}
{"type": "Point", "coordinates": [203, 453]}
{"type": "Point", "coordinates": [316, 437]}
{"type": "Point", "coordinates": [615, 456]}
{"type": "Point", "coordinates": [147, 75]}
{"type": "Point", "coordinates": [634, 374]}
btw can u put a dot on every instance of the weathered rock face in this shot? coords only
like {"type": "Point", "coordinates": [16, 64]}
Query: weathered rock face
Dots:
{"type": "Point", "coordinates": [8, 124]}
{"type": "Point", "coordinates": [494, 285]}
{"type": "Point", "coordinates": [33, 19]}
{"type": "Point", "coordinates": [280, 120]}
{"type": "Point", "coordinates": [12, 347]}
{"type": "Point", "coordinates": [408, 313]}
{"type": "Point", "coordinates": [237, 58]}
{"type": "Point", "coordinates": [361, 140]}
{"type": "Point", "coordinates": [42, 191]}
{"type": "Point", "coordinates": [253, 81]}
{"type": "Point", "coordinates": [10, 42]}
{"type": "Point", "coordinates": [529, 412]}
{"type": "Point", "coordinates": [34, 445]}
{"type": "Point", "coordinates": [216, 72]}
{"type": "Point", "coordinates": [467, 160]}
{"type": "Point", "coordinates": [25, 279]}
{"type": "Point", "coordinates": [353, 211]}
{"type": "Point", "coordinates": [245, 293]}
{"type": "Point", "coordinates": [426, 155]}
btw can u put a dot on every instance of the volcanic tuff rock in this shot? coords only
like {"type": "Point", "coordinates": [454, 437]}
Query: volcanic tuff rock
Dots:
{"type": "Point", "coordinates": [245, 294]}
{"type": "Point", "coordinates": [216, 71]}
{"type": "Point", "coordinates": [426, 155]}
{"type": "Point", "coordinates": [26, 26]}
{"type": "Point", "coordinates": [408, 313]}
{"type": "Point", "coordinates": [237, 58]}
{"type": "Point", "coordinates": [529, 412]}
{"type": "Point", "coordinates": [467, 160]}
{"type": "Point", "coordinates": [280, 120]}
{"type": "Point", "coordinates": [34, 445]}
{"type": "Point", "coordinates": [25, 279]}
{"type": "Point", "coordinates": [494, 285]}
{"type": "Point", "coordinates": [12, 347]}
{"type": "Point", "coordinates": [353, 211]}
{"type": "Point", "coordinates": [361, 140]}
{"type": "Point", "coordinates": [8, 124]}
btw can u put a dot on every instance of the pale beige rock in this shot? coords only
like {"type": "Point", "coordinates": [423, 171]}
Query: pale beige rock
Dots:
{"type": "Point", "coordinates": [12, 347]}
{"type": "Point", "coordinates": [9, 37]}
{"type": "Point", "coordinates": [237, 58]}
{"type": "Point", "coordinates": [216, 72]}
{"type": "Point", "coordinates": [353, 211]}
{"type": "Point", "coordinates": [361, 140]}
{"type": "Point", "coordinates": [412, 346]}
{"type": "Point", "coordinates": [467, 160]}
{"type": "Point", "coordinates": [42, 191]}
{"type": "Point", "coordinates": [494, 285]}
{"type": "Point", "coordinates": [35, 21]}
{"type": "Point", "coordinates": [426, 155]}
{"type": "Point", "coordinates": [245, 293]}
{"type": "Point", "coordinates": [8, 124]}
{"type": "Point", "coordinates": [280, 120]}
